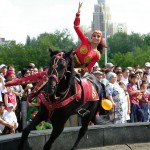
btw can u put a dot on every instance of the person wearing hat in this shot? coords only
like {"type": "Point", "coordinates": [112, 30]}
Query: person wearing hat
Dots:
{"type": "Point", "coordinates": [4, 124]}
{"type": "Point", "coordinates": [115, 93]}
{"type": "Point", "coordinates": [89, 51]}
{"type": "Point", "coordinates": [11, 118]}
{"type": "Point", "coordinates": [109, 67]}
{"type": "Point", "coordinates": [3, 70]}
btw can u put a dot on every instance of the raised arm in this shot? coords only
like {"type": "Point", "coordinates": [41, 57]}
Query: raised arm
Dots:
{"type": "Point", "coordinates": [77, 24]}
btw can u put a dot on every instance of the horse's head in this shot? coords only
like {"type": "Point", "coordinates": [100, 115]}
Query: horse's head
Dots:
{"type": "Point", "coordinates": [58, 67]}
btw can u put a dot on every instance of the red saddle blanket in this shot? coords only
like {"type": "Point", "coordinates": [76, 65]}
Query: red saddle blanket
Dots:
{"type": "Point", "coordinates": [89, 91]}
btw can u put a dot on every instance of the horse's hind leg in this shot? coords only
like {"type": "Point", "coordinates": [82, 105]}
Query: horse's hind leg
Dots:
{"type": "Point", "coordinates": [85, 123]}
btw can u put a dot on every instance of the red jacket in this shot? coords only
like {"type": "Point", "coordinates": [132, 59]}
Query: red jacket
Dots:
{"type": "Point", "coordinates": [84, 55]}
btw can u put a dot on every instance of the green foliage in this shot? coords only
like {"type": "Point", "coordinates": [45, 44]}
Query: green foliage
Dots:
{"type": "Point", "coordinates": [124, 50]}
{"type": "Point", "coordinates": [36, 49]}
{"type": "Point", "coordinates": [127, 50]}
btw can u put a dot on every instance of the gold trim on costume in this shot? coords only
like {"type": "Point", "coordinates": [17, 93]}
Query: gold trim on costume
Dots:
{"type": "Point", "coordinates": [87, 59]}
{"type": "Point", "coordinates": [77, 59]}
{"type": "Point", "coordinates": [83, 49]}
{"type": "Point", "coordinates": [99, 55]}
{"type": "Point", "coordinates": [93, 92]}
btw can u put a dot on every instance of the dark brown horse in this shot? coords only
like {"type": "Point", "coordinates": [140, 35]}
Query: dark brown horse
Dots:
{"type": "Point", "coordinates": [60, 98]}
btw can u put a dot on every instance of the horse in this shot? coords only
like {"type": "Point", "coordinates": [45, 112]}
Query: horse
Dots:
{"type": "Point", "coordinates": [60, 98]}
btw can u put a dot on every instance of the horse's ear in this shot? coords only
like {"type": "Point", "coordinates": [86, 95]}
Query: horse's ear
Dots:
{"type": "Point", "coordinates": [68, 54]}
{"type": "Point", "coordinates": [52, 52]}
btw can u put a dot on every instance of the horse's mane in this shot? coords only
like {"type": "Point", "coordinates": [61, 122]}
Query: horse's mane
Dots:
{"type": "Point", "coordinates": [70, 69]}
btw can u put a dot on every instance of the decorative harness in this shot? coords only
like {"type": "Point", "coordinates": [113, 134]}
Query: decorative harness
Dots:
{"type": "Point", "coordinates": [51, 106]}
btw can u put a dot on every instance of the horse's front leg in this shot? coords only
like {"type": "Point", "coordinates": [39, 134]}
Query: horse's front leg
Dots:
{"type": "Point", "coordinates": [38, 118]}
{"type": "Point", "coordinates": [58, 121]}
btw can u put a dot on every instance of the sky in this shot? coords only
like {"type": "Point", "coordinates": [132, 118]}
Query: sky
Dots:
{"type": "Point", "coordinates": [19, 18]}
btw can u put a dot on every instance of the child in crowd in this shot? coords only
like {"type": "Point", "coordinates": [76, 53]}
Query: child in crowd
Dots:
{"type": "Point", "coordinates": [136, 112]}
{"type": "Point", "coordinates": [10, 97]}
{"type": "Point", "coordinates": [10, 117]}
{"type": "Point", "coordinates": [43, 125]}
{"type": "Point", "coordinates": [144, 98]}
{"type": "Point", "coordinates": [33, 114]}
{"type": "Point", "coordinates": [126, 103]}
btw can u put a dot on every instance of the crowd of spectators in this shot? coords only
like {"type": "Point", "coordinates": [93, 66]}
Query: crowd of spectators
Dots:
{"type": "Point", "coordinates": [15, 111]}
{"type": "Point", "coordinates": [127, 88]}
{"type": "Point", "coordinates": [129, 91]}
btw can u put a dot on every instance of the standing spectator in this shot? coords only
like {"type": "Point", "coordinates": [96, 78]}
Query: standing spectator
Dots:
{"type": "Point", "coordinates": [117, 69]}
{"type": "Point", "coordinates": [2, 87]}
{"type": "Point", "coordinates": [126, 103]}
{"type": "Point", "coordinates": [102, 115]}
{"type": "Point", "coordinates": [11, 68]}
{"type": "Point", "coordinates": [119, 76]}
{"type": "Point", "coordinates": [18, 91]}
{"type": "Point", "coordinates": [24, 104]}
{"type": "Point", "coordinates": [34, 105]}
{"type": "Point", "coordinates": [136, 111]}
{"type": "Point", "coordinates": [125, 77]}
{"type": "Point", "coordinates": [144, 98]}
{"type": "Point", "coordinates": [109, 67]}
{"type": "Point", "coordinates": [147, 69]}
{"type": "Point", "coordinates": [40, 69]}
{"type": "Point", "coordinates": [114, 94]}
{"type": "Point", "coordinates": [96, 67]}
{"type": "Point", "coordinates": [10, 97]}
{"type": "Point", "coordinates": [3, 70]}
{"type": "Point", "coordinates": [136, 67]}
{"type": "Point", "coordinates": [104, 79]}
{"type": "Point", "coordinates": [11, 118]}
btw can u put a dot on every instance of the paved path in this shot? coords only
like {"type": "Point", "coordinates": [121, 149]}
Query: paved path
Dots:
{"type": "Point", "coordinates": [140, 146]}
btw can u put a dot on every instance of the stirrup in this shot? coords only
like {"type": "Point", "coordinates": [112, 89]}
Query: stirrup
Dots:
{"type": "Point", "coordinates": [83, 112]}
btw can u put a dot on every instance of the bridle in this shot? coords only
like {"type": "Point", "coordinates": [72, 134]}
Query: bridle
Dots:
{"type": "Point", "coordinates": [54, 73]}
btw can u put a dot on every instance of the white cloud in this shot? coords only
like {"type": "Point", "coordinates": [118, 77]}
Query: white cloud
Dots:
{"type": "Point", "coordinates": [20, 18]}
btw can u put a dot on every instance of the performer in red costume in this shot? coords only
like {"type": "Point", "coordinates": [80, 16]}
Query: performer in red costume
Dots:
{"type": "Point", "coordinates": [89, 51]}
{"type": "Point", "coordinates": [85, 56]}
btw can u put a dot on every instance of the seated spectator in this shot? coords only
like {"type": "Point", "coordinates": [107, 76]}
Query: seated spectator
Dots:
{"type": "Point", "coordinates": [11, 118]}
{"type": "Point", "coordinates": [4, 125]}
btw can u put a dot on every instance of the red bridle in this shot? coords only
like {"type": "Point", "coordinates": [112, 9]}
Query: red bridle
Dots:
{"type": "Point", "coordinates": [58, 57]}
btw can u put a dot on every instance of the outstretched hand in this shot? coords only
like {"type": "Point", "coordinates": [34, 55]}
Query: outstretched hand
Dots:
{"type": "Point", "coordinates": [79, 7]}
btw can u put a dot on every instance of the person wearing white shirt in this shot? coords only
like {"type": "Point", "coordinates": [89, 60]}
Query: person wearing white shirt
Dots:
{"type": "Point", "coordinates": [125, 77]}
{"type": "Point", "coordinates": [10, 117]}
